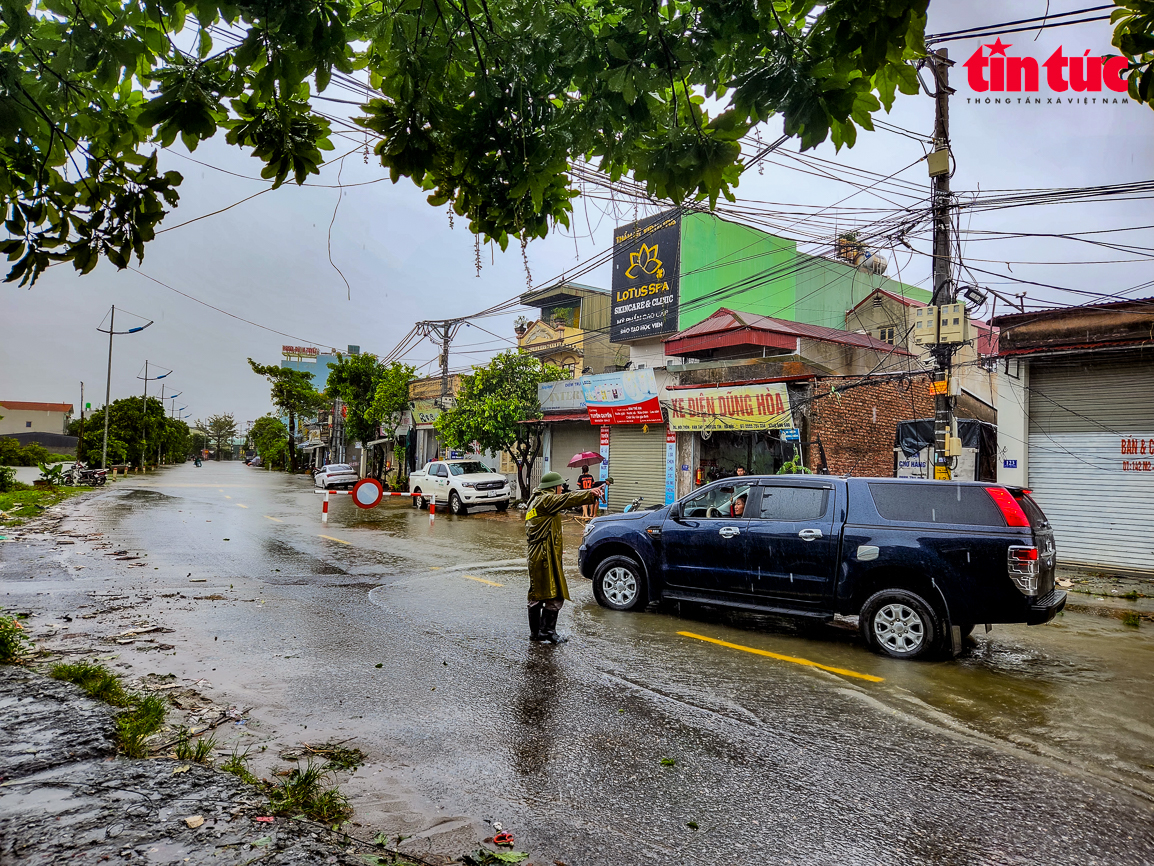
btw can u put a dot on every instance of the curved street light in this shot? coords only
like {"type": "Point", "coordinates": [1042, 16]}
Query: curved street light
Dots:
{"type": "Point", "coordinates": [108, 383]}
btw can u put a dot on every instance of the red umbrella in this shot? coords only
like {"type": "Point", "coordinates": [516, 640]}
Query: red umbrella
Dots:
{"type": "Point", "coordinates": [585, 458]}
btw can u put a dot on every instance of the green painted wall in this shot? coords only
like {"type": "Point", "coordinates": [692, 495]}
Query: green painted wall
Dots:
{"type": "Point", "coordinates": [724, 264]}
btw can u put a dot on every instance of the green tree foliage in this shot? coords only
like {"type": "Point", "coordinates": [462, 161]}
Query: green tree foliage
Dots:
{"type": "Point", "coordinates": [32, 454]}
{"type": "Point", "coordinates": [491, 406]}
{"type": "Point", "coordinates": [391, 397]}
{"type": "Point", "coordinates": [1134, 37]}
{"type": "Point", "coordinates": [221, 429]}
{"type": "Point", "coordinates": [270, 439]}
{"type": "Point", "coordinates": [133, 433]}
{"type": "Point", "coordinates": [485, 104]}
{"type": "Point", "coordinates": [294, 395]}
{"type": "Point", "coordinates": [354, 380]}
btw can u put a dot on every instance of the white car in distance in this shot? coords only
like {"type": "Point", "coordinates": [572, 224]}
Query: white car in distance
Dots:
{"type": "Point", "coordinates": [461, 484]}
{"type": "Point", "coordinates": [335, 475]}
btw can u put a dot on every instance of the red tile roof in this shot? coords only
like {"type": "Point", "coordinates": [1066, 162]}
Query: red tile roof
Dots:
{"type": "Point", "coordinates": [18, 406]}
{"type": "Point", "coordinates": [729, 323]}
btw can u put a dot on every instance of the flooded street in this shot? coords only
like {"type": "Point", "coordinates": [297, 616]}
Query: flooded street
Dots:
{"type": "Point", "coordinates": [676, 735]}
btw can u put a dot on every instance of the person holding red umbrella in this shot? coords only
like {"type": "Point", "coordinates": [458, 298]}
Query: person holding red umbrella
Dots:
{"type": "Point", "coordinates": [585, 482]}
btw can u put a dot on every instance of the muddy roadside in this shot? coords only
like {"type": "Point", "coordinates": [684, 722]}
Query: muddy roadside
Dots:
{"type": "Point", "coordinates": [82, 597]}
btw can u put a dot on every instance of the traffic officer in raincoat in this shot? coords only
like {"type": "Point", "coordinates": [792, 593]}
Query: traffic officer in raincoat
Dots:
{"type": "Point", "coordinates": [547, 589]}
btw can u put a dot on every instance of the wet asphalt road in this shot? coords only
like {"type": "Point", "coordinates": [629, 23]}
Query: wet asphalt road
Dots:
{"type": "Point", "coordinates": [1035, 747]}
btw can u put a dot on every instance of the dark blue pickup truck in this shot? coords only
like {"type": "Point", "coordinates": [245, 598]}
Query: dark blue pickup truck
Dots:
{"type": "Point", "coordinates": [920, 562]}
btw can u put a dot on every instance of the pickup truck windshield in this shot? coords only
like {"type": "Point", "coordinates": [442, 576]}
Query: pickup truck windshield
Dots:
{"type": "Point", "coordinates": [471, 468]}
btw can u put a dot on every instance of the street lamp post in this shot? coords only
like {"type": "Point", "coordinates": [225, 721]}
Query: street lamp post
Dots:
{"type": "Point", "coordinates": [144, 419]}
{"type": "Point", "coordinates": [108, 382]}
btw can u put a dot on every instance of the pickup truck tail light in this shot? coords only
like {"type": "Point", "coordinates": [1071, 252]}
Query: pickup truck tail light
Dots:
{"type": "Point", "coordinates": [1022, 564]}
{"type": "Point", "coordinates": [1008, 505]}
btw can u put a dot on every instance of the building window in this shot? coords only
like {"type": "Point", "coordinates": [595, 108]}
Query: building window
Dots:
{"type": "Point", "coordinates": [27, 423]}
{"type": "Point", "coordinates": [570, 369]}
{"type": "Point", "coordinates": [887, 335]}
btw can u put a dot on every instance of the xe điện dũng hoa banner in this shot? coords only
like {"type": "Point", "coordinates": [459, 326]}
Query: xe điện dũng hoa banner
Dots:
{"type": "Point", "coordinates": [741, 407]}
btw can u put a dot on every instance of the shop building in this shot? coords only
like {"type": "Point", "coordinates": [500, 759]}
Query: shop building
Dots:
{"type": "Point", "coordinates": [572, 330]}
{"type": "Point", "coordinates": [1077, 427]}
{"type": "Point", "coordinates": [757, 392]}
{"type": "Point", "coordinates": [891, 317]}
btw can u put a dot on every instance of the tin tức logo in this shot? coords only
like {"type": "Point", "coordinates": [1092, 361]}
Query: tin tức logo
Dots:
{"type": "Point", "coordinates": [991, 70]}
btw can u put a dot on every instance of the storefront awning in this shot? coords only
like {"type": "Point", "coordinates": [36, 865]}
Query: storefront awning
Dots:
{"type": "Point", "coordinates": [312, 446]}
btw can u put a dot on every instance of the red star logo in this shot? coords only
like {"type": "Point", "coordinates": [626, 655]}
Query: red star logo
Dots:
{"type": "Point", "coordinates": [998, 47]}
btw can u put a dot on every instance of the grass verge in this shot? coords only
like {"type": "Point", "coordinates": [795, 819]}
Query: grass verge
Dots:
{"type": "Point", "coordinates": [20, 505]}
{"type": "Point", "coordinates": [143, 714]}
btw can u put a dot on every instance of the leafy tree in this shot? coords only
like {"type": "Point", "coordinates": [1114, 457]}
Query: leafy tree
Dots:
{"type": "Point", "coordinates": [492, 405]}
{"type": "Point", "coordinates": [486, 103]}
{"type": "Point", "coordinates": [390, 401]}
{"type": "Point", "coordinates": [294, 395]}
{"type": "Point", "coordinates": [1134, 37]}
{"type": "Point", "coordinates": [221, 429]}
{"type": "Point", "coordinates": [133, 432]}
{"type": "Point", "coordinates": [269, 436]}
{"type": "Point", "coordinates": [197, 440]}
{"type": "Point", "coordinates": [354, 380]}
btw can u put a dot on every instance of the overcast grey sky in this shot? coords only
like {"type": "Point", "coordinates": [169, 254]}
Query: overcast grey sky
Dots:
{"type": "Point", "coordinates": [267, 259]}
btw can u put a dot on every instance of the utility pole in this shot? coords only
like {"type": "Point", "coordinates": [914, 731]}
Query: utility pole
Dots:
{"type": "Point", "coordinates": [942, 267]}
{"type": "Point", "coordinates": [444, 331]}
{"type": "Point", "coordinates": [80, 438]}
{"type": "Point", "coordinates": [108, 382]}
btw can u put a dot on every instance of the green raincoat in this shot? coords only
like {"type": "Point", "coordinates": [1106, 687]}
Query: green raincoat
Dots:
{"type": "Point", "coordinates": [543, 532]}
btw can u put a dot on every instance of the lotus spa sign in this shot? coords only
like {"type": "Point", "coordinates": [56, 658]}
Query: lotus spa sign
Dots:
{"type": "Point", "coordinates": [646, 267]}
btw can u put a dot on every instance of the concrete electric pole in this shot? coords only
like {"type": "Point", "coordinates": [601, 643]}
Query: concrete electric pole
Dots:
{"type": "Point", "coordinates": [444, 331]}
{"type": "Point", "coordinates": [940, 165]}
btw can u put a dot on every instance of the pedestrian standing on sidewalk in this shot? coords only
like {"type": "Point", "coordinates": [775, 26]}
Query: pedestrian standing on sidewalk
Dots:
{"type": "Point", "coordinates": [547, 588]}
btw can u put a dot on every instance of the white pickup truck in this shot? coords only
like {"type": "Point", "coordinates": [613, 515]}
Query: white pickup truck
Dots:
{"type": "Point", "coordinates": [462, 484]}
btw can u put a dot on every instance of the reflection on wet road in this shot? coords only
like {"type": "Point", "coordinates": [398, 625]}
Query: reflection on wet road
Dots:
{"type": "Point", "coordinates": [682, 733]}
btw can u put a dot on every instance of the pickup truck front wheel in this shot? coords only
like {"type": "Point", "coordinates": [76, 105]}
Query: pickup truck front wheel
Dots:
{"type": "Point", "coordinates": [619, 584]}
{"type": "Point", "coordinates": [899, 623]}
{"type": "Point", "coordinates": [456, 506]}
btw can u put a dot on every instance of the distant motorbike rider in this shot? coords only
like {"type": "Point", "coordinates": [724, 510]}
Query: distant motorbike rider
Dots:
{"type": "Point", "coordinates": [547, 588]}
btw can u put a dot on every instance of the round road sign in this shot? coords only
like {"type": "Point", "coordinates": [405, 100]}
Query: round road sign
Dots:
{"type": "Point", "coordinates": [368, 492]}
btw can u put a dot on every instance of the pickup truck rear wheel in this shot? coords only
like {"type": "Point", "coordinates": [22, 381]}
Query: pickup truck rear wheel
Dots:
{"type": "Point", "coordinates": [419, 500]}
{"type": "Point", "coordinates": [619, 584]}
{"type": "Point", "coordinates": [899, 623]}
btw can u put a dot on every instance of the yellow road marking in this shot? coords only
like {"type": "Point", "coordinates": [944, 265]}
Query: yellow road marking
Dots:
{"type": "Point", "coordinates": [274, 519]}
{"type": "Point", "coordinates": [330, 538]}
{"type": "Point", "coordinates": [436, 567]}
{"type": "Point", "coordinates": [239, 505]}
{"type": "Point", "coordinates": [228, 497]}
{"type": "Point", "coordinates": [797, 661]}
{"type": "Point", "coordinates": [481, 580]}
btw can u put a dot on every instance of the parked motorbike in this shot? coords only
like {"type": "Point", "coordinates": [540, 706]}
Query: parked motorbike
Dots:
{"type": "Point", "coordinates": [80, 474]}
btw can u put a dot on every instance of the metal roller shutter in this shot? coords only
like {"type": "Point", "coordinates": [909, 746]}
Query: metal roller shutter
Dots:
{"type": "Point", "coordinates": [1091, 422]}
{"type": "Point", "coordinates": [637, 464]}
{"type": "Point", "coordinates": [571, 438]}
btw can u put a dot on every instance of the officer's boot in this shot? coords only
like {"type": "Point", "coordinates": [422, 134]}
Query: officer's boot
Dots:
{"type": "Point", "coordinates": [535, 622]}
{"type": "Point", "coordinates": [549, 627]}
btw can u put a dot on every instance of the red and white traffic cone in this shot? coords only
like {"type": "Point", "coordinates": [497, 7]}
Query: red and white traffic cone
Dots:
{"type": "Point", "coordinates": [325, 509]}
{"type": "Point", "coordinates": [432, 509]}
